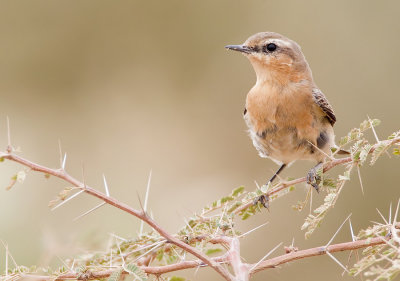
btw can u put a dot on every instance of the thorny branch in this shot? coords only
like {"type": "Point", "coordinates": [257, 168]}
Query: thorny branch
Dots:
{"type": "Point", "coordinates": [62, 174]}
{"type": "Point", "coordinates": [327, 166]}
{"type": "Point", "coordinates": [241, 271]}
{"type": "Point", "coordinates": [269, 263]}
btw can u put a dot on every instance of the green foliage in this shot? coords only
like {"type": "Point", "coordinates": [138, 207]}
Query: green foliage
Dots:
{"type": "Point", "coordinates": [357, 133]}
{"type": "Point", "coordinates": [137, 273]}
{"type": "Point", "coordinates": [381, 262]}
{"type": "Point", "coordinates": [224, 200]}
{"type": "Point", "coordinates": [210, 252]}
{"type": "Point", "coordinates": [218, 218]}
{"type": "Point", "coordinates": [175, 278]}
{"type": "Point", "coordinates": [360, 151]}
{"type": "Point", "coordinates": [116, 275]}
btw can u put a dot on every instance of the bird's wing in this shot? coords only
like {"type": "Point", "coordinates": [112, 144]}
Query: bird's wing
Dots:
{"type": "Point", "coordinates": [323, 103]}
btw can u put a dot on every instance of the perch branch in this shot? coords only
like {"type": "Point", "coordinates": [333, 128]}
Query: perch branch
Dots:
{"type": "Point", "coordinates": [267, 264]}
{"type": "Point", "coordinates": [142, 215]}
{"type": "Point", "coordinates": [327, 166]}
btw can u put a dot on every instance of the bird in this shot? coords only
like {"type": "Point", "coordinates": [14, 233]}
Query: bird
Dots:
{"type": "Point", "coordinates": [287, 115]}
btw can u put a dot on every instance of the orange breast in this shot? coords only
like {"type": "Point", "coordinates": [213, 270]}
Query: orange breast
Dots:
{"type": "Point", "coordinates": [269, 107]}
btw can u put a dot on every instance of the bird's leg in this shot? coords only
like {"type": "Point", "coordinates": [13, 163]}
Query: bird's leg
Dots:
{"type": "Point", "coordinates": [314, 176]}
{"type": "Point", "coordinates": [264, 199]}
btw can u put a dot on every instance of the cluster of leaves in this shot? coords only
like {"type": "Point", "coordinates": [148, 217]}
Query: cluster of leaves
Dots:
{"type": "Point", "coordinates": [381, 262]}
{"type": "Point", "coordinates": [224, 201]}
{"type": "Point", "coordinates": [127, 256]}
{"type": "Point", "coordinates": [360, 149]}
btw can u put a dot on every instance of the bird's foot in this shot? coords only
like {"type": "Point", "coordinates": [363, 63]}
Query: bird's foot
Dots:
{"type": "Point", "coordinates": [264, 200]}
{"type": "Point", "coordinates": [314, 176]}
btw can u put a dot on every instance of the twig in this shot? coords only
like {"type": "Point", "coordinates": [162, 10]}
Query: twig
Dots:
{"type": "Point", "coordinates": [62, 174]}
{"type": "Point", "coordinates": [327, 166]}
{"type": "Point", "coordinates": [267, 264]}
{"type": "Point", "coordinates": [317, 251]}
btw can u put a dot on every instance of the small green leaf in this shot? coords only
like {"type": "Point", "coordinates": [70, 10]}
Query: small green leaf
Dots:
{"type": "Point", "coordinates": [237, 191]}
{"type": "Point", "coordinates": [136, 272]}
{"type": "Point", "coordinates": [176, 278]}
{"type": "Point", "coordinates": [234, 207]}
{"type": "Point", "coordinates": [213, 251]}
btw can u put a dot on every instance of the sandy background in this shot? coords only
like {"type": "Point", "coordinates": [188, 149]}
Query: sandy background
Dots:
{"type": "Point", "coordinates": [130, 86]}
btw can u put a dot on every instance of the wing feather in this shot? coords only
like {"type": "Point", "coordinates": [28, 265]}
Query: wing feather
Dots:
{"type": "Point", "coordinates": [323, 103]}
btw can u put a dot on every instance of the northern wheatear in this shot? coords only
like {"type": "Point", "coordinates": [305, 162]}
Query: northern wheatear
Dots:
{"type": "Point", "coordinates": [288, 117]}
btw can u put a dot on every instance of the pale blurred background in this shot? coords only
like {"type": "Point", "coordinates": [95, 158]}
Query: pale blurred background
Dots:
{"type": "Point", "coordinates": [130, 86]}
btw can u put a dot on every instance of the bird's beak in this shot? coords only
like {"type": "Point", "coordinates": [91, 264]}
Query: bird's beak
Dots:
{"type": "Point", "coordinates": [239, 48]}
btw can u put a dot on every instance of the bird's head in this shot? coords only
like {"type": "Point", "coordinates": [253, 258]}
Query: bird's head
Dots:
{"type": "Point", "coordinates": [274, 57]}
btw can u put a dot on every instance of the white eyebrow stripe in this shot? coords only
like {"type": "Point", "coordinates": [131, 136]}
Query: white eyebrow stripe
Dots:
{"type": "Point", "coordinates": [280, 42]}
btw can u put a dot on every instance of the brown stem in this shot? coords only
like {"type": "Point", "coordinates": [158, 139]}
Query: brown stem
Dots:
{"type": "Point", "coordinates": [317, 251]}
{"type": "Point", "coordinates": [327, 166]}
{"type": "Point", "coordinates": [270, 263]}
{"type": "Point", "coordinates": [62, 174]}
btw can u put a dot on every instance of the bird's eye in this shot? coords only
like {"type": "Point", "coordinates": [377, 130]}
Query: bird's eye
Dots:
{"type": "Point", "coordinates": [270, 47]}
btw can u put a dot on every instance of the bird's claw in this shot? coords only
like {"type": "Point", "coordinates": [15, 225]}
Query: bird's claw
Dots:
{"type": "Point", "coordinates": [264, 200]}
{"type": "Point", "coordinates": [314, 177]}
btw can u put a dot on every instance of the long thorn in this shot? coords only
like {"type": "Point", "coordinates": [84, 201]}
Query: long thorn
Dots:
{"type": "Point", "coordinates": [120, 253]}
{"type": "Point", "coordinates": [88, 212]}
{"type": "Point", "coordinates": [66, 265]}
{"type": "Point", "coordinates": [337, 231]}
{"type": "Point", "coordinates": [390, 213]}
{"type": "Point", "coordinates": [250, 231]}
{"type": "Point", "coordinates": [66, 200]}
{"type": "Point", "coordinates": [359, 177]}
{"type": "Point", "coordinates": [321, 151]}
{"type": "Point", "coordinates": [337, 261]}
{"type": "Point", "coordinates": [146, 199]}
{"type": "Point", "coordinates": [8, 253]}
{"type": "Point", "coordinates": [118, 237]}
{"type": "Point", "coordinates": [351, 231]}
{"type": "Point", "coordinates": [106, 186]}
{"type": "Point", "coordinates": [6, 246]}
{"type": "Point", "coordinates": [155, 247]}
{"type": "Point", "coordinates": [266, 256]}
{"type": "Point", "coordinates": [378, 223]}
{"type": "Point", "coordinates": [373, 129]}
{"type": "Point", "coordinates": [220, 220]}
{"type": "Point", "coordinates": [64, 161]}
{"type": "Point", "coordinates": [379, 212]}
{"type": "Point", "coordinates": [145, 247]}
{"type": "Point", "coordinates": [375, 135]}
